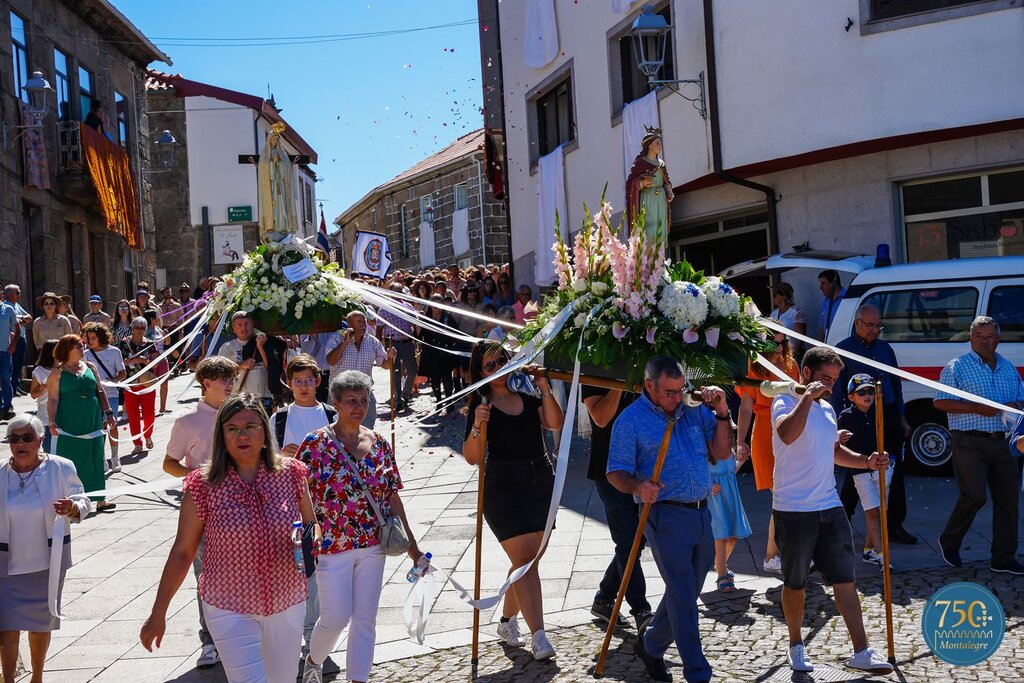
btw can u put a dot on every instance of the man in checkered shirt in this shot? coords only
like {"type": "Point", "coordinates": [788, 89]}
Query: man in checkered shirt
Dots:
{"type": "Point", "coordinates": [981, 451]}
{"type": "Point", "coordinates": [356, 350]}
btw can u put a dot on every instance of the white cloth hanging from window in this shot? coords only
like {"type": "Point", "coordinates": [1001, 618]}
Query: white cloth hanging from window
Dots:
{"type": "Point", "coordinates": [621, 6]}
{"type": "Point", "coordinates": [540, 41]}
{"type": "Point", "coordinates": [636, 115]}
{"type": "Point", "coordinates": [550, 199]}
{"type": "Point", "coordinates": [426, 244]}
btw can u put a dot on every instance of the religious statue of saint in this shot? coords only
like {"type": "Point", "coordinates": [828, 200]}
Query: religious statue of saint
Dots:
{"type": "Point", "coordinates": [276, 189]}
{"type": "Point", "coordinates": [648, 188]}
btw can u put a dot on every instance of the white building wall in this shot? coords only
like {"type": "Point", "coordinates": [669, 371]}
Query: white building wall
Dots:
{"type": "Point", "coordinates": [217, 133]}
{"type": "Point", "coordinates": [791, 80]}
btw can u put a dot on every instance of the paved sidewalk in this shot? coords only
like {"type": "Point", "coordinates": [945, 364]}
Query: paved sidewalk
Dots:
{"type": "Point", "coordinates": [119, 556]}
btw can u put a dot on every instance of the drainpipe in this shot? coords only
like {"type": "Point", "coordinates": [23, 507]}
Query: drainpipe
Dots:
{"type": "Point", "coordinates": [716, 132]}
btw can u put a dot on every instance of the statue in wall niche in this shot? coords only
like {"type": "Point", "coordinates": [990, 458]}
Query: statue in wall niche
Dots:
{"type": "Point", "coordinates": [648, 188]}
{"type": "Point", "coordinates": [276, 189]}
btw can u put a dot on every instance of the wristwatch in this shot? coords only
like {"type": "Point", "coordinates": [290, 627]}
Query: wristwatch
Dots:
{"type": "Point", "coordinates": [108, 413]}
{"type": "Point", "coordinates": [723, 418]}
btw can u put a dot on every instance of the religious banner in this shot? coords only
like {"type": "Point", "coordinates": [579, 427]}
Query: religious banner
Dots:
{"type": "Point", "coordinates": [371, 255]}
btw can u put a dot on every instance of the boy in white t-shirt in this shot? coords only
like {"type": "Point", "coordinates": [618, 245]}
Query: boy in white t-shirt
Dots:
{"type": "Point", "coordinates": [291, 425]}
{"type": "Point", "coordinates": [810, 523]}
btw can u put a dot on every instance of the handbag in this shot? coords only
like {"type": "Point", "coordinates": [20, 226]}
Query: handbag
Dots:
{"type": "Point", "coordinates": [392, 532]}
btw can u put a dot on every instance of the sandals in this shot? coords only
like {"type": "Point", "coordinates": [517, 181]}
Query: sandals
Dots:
{"type": "Point", "coordinates": [726, 584]}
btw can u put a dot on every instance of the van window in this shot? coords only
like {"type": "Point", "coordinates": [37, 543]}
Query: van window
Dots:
{"type": "Point", "coordinates": [1006, 307]}
{"type": "Point", "coordinates": [926, 314]}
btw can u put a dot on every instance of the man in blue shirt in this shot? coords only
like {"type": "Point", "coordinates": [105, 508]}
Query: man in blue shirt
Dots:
{"type": "Point", "coordinates": [679, 524]}
{"type": "Point", "coordinates": [832, 289]}
{"type": "Point", "coordinates": [12, 296]}
{"type": "Point", "coordinates": [981, 457]}
{"type": "Point", "coordinates": [8, 343]}
{"type": "Point", "coordinates": [867, 326]}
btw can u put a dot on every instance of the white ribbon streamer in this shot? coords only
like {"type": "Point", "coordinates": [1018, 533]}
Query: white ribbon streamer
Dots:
{"type": "Point", "coordinates": [425, 302]}
{"type": "Point", "coordinates": [413, 317]}
{"type": "Point", "coordinates": [931, 384]}
{"type": "Point", "coordinates": [60, 530]}
{"type": "Point", "coordinates": [464, 354]}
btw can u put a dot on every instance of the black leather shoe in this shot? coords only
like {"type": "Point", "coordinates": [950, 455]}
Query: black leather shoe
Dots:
{"type": "Point", "coordinates": [901, 535]}
{"type": "Point", "coordinates": [950, 556]}
{"type": "Point", "coordinates": [656, 668]}
{"type": "Point", "coordinates": [1011, 567]}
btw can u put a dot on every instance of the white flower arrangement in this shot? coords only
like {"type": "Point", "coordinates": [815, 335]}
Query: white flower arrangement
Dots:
{"type": "Point", "coordinates": [723, 300]}
{"type": "Point", "coordinates": [685, 304]}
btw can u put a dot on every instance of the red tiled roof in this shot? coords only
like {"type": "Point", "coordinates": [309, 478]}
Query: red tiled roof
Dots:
{"type": "Point", "coordinates": [183, 87]}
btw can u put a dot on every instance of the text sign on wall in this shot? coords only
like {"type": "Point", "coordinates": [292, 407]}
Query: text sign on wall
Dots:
{"type": "Point", "coordinates": [239, 214]}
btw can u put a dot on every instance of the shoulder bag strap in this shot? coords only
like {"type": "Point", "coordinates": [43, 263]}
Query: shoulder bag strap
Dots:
{"type": "Point", "coordinates": [355, 473]}
{"type": "Point", "coordinates": [104, 367]}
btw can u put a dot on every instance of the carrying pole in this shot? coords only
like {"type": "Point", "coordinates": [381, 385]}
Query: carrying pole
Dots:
{"type": "Point", "coordinates": [475, 659]}
{"type": "Point", "coordinates": [884, 522]}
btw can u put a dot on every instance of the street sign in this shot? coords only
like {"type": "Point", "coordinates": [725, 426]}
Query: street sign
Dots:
{"type": "Point", "coordinates": [239, 214]}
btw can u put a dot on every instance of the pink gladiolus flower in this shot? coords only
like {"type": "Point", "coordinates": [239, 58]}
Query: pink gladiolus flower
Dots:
{"type": "Point", "coordinates": [690, 336]}
{"type": "Point", "coordinates": [619, 330]}
{"type": "Point", "coordinates": [650, 334]}
{"type": "Point", "coordinates": [711, 334]}
{"type": "Point", "coordinates": [735, 336]}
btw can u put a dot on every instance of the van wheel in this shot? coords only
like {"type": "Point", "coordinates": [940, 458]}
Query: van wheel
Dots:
{"type": "Point", "coordinates": [930, 447]}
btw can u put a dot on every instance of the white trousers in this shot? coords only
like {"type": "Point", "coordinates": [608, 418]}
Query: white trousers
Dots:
{"type": "Point", "coordinates": [254, 648]}
{"type": "Point", "coordinates": [349, 584]}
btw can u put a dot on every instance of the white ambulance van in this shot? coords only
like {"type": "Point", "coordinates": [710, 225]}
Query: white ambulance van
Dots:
{"type": "Point", "coordinates": [927, 309]}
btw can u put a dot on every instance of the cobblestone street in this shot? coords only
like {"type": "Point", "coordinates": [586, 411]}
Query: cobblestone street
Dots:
{"type": "Point", "coordinates": [745, 639]}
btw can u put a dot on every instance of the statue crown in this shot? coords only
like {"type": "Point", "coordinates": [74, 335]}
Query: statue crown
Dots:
{"type": "Point", "coordinates": [651, 130]}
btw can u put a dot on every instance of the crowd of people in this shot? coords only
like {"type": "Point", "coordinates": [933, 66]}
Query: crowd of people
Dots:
{"type": "Point", "coordinates": [281, 452]}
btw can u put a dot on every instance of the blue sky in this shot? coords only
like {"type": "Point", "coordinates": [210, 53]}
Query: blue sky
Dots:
{"type": "Point", "coordinates": [370, 107]}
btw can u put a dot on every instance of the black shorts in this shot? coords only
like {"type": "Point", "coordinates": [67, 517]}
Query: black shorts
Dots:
{"type": "Point", "coordinates": [517, 495]}
{"type": "Point", "coordinates": [824, 537]}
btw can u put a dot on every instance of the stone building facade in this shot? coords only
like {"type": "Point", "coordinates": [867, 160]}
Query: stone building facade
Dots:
{"type": "Point", "coordinates": [57, 238]}
{"type": "Point", "coordinates": [198, 199]}
{"type": "Point", "coordinates": [439, 212]}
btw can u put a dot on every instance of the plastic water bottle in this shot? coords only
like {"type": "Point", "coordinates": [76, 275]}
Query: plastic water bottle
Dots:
{"type": "Point", "coordinates": [300, 561]}
{"type": "Point", "coordinates": [418, 569]}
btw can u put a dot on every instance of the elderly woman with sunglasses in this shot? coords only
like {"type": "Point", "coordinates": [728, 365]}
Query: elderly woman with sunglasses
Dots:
{"type": "Point", "coordinates": [518, 483]}
{"type": "Point", "coordinates": [242, 504]}
{"type": "Point", "coordinates": [51, 324]}
{"type": "Point", "coordinates": [36, 489]}
{"type": "Point", "coordinates": [77, 406]}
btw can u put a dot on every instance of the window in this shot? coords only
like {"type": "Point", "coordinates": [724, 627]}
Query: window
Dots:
{"type": "Point", "coordinates": [120, 108]}
{"type": "Point", "coordinates": [1006, 307]}
{"type": "Point", "coordinates": [461, 197]}
{"type": "Point", "coordinates": [85, 91]}
{"type": "Point", "coordinates": [426, 209]}
{"type": "Point", "coordinates": [980, 215]}
{"type": "Point", "coordinates": [928, 314]}
{"type": "Point", "coordinates": [62, 84]}
{"type": "Point", "coordinates": [19, 48]}
{"type": "Point", "coordinates": [634, 83]}
{"type": "Point", "coordinates": [888, 9]}
{"type": "Point", "coordinates": [307, 201]}
{"type": "Point", "coordinates": [555, 122]}
{"type": "Point", "coordinates": [403, 232]}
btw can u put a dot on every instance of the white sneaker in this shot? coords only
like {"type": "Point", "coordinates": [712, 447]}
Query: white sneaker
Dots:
{"type": "Point", "coordinates": [208, 656]}
{"type": "Point", "coordinates": [312, 673]}
{"type": "Point", "coordinates": [872, 556]}
{"type": "Point", "coordinates": [509, 632]}
{"type": "Point", "coordinates": [542, 648]}
{"type": "Point", "coordinates": [798, 659]}
{"type": "Point", "coordinates": [869, 659]}
{"type": "Point", "coordinates": [115, 464]}
{"type": "Point", "coordinates": [773, 565]}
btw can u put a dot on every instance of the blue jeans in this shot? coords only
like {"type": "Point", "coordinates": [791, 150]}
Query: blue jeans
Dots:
{"type": "Point", "coordinates": [623, 515]}
{"type": "Point", "coordinates": [18, 362]}
{"type": "Point", "coordinates": [6, 390]}
{"type": "Point", "coordinates": [684, 549]}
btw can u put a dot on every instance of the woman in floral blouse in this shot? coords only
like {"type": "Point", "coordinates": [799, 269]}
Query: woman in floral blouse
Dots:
{"type": "Point", "coordinates": [351, 562]}
{"type": "Point", "coordinates": [243, 503]}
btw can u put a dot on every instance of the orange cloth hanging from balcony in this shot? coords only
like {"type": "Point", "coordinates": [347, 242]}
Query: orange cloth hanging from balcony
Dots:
{"type": "Point", "coordinates": [108, 168]}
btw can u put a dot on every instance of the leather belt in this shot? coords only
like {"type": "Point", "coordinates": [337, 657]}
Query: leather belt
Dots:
{"type": "Point", "coordinates": [983, 435]}
{"type": "Point", "coordinates": [695, 505]}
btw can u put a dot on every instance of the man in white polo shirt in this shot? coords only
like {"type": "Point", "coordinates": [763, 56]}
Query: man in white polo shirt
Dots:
{"type": "Point", "coordinates": [810, 523]}
{"type": "Point", "coordinates": [191, 446]}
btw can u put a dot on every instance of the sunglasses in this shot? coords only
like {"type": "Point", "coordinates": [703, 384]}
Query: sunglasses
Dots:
{"type": "Point", "coordinates": [493, 365]}
{"type": "Point", "coordinates": [49, 303]}
{"type": "Point", "coordinates": [865, 392]}
{"type": "Point", "coordinates": [27, 438]}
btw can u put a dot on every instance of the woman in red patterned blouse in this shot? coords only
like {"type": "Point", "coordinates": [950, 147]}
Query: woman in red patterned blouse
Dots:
{"type": "Point", "coordinates": [244, 502]}
{"type": "Point", "coordinates": [350, 571]}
